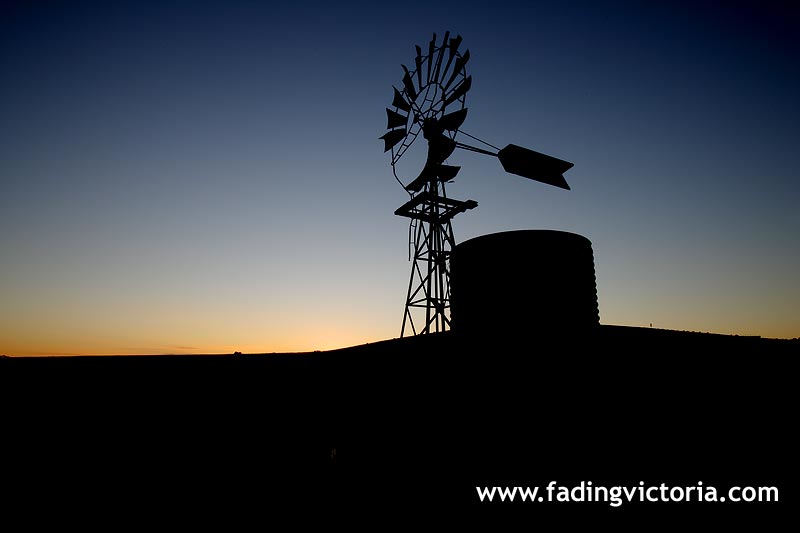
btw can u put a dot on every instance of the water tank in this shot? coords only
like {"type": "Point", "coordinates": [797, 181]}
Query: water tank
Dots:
{"type": "Point", "coordinates": [521, 282]}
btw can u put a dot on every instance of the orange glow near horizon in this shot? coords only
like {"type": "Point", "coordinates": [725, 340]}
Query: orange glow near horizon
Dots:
{"type": "Point", "coordinates": [172, 337]}
{"type": "Point", "coordinates": [217, 349]}
{"type": "Point", "coordinates": [322, 339]}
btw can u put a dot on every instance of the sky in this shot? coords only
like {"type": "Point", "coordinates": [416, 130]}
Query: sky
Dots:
{"type": "Point", "coordinates": [206, 177]}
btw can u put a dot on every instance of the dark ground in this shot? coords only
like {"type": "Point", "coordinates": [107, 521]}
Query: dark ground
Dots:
{"type": "Point", "coordinates": [400, 427]}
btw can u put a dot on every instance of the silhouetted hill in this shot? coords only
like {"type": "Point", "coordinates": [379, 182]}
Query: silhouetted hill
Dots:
{"type": "Point", "coordinates": [407, 424]}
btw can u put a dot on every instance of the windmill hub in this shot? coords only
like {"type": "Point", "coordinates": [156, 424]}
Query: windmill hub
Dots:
{"type": "Point", "coordinates": [431, 129]}
{"type": "Point", "coordinates": [433, 95]}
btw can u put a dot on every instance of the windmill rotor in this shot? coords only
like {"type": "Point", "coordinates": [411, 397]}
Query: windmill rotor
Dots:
{"type": "Point", "coordinates": [431, 102]}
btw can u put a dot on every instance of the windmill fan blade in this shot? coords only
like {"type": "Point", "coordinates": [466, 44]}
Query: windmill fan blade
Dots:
{"type": "Point", "coordinates": [418, 62]}
{"type": "Point", "coordinates": [408, 83]}
{"type": "Point", "coordinates": [440, 148]}
{"type": "Point", "coordinates": [455, 42]}
{"type": "Point", "coordinates": [431, 171]}
{"type": "Point", "coordinates": [427, 174]}
{"type": "Point", "coordinates": [460, 63]}
{"type": "Point", "coordinates": [459, 91]}
{"type": "Point", "coordinates": [453, 121]}
{"type": "Point", "coordinates": [431, 47]}
{"type": "Point", "coordinates": [533, 165]}
{"type": "Point", "coordinates": [393, 137]}
{"type": "Point", "coordinates": [395, 119]}
{"type": "Point", "coordinates": [440, 56]}
{"type": "Point", "coordinates": [447, 172]}
{"type": "Point", "coordinates": [399, 102]}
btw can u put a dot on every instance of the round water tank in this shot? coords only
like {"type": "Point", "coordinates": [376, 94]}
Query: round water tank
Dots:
{"type": "Point", "coordinates": [517, 282]}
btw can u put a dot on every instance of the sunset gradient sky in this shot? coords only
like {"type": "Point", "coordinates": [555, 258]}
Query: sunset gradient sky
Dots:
{"type": "Point", "coordinates": [198, 177]}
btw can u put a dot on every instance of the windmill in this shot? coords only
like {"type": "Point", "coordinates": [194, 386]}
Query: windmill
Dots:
{"type": "Point", "coordinates": [432, 102]}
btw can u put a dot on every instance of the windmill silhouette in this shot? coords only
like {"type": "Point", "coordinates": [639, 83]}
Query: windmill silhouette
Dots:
{"type": "Point", "coordinates": [432, 102]}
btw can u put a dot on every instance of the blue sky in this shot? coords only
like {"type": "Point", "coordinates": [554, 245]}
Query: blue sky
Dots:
{"type": "Point", "coordinates": [207, 176]}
